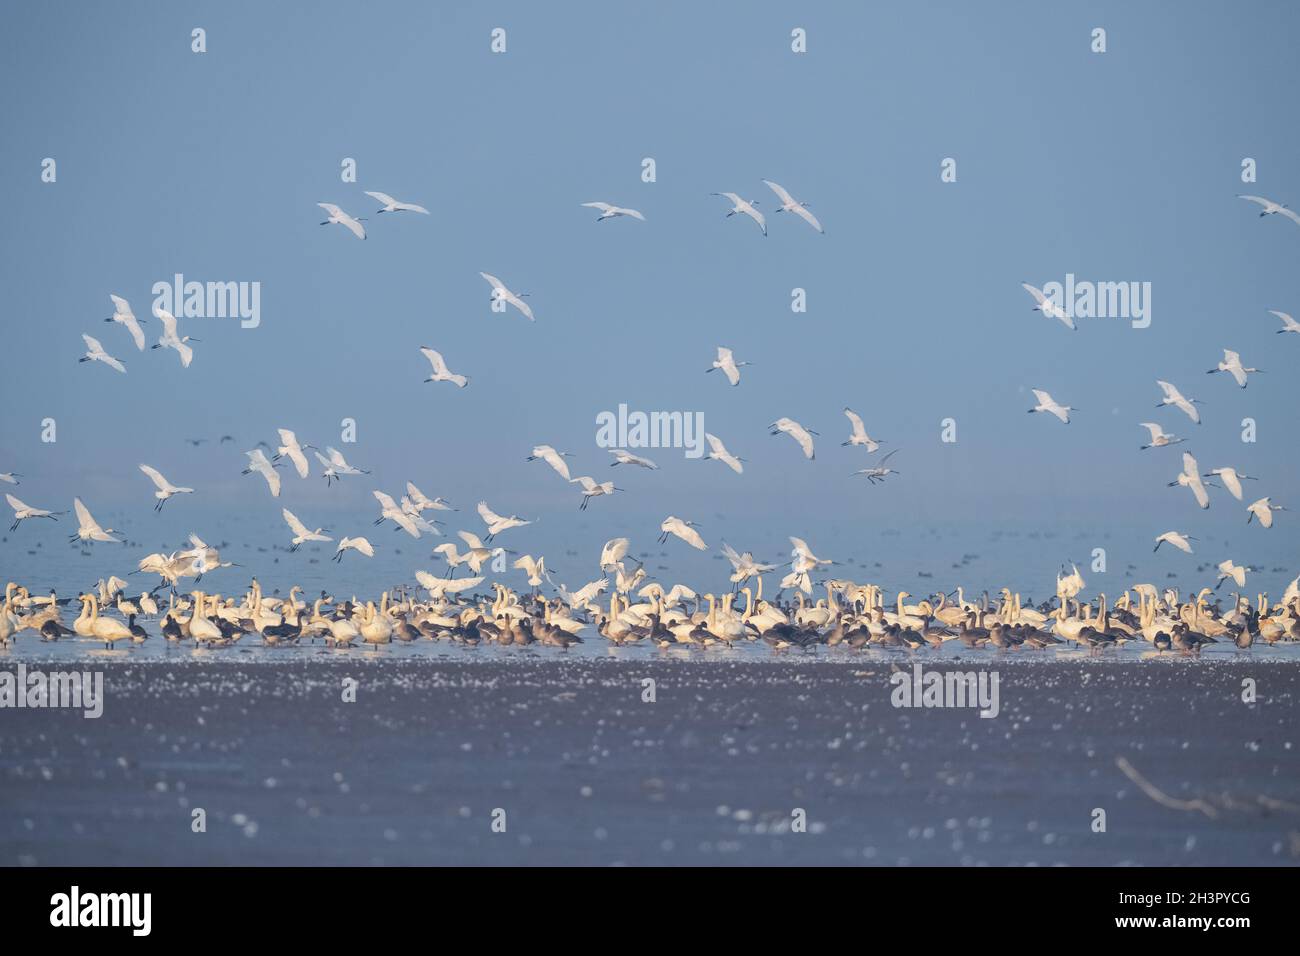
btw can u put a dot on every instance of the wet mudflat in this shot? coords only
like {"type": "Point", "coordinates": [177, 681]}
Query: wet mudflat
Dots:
{"type": "Point", "coordinates": [579, 768]}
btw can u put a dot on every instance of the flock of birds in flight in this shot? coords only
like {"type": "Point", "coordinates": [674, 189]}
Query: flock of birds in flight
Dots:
{"type": "Point", "coordinates": [851, 613]}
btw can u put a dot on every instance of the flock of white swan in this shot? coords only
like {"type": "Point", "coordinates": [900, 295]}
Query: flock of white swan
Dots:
{"type": "Point", "coordinates": [445, 607]}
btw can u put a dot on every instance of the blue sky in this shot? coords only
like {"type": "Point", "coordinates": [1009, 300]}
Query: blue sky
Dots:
{"type": "Point", "coordinates": [1119, 166]}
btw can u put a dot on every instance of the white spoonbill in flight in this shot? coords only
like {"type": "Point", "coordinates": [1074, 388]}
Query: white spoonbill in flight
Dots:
{"type": "Point", "coordinates": [682, 529]}
{"type": "Point", "coordinates": [258, 462]}
{"type": "Point", "coordinates": [1272, 208]}
{"type": "Point", "coordinates": [338, 216]}
{"type": "Point", "coordinates": [1175, 538]}
{"type": "Point", "coordinates": [1231, 479]}
{"type": "Point", "coordinates": [610, 212]}
{"type": "Point", "coordinates": [440, 371]}
{"type": "Point", "coordinates": [553, 458]}
{"type": "Point", "coordinates": [1288, 324]}
{"type": "Point", "coordinates": [740, 205]}
{"type": "Point", "coordinates": [743, 565]}
{"type": "Point", "coordinates": [1235, 571]}
{"type": "Point", "coordinates": [424, 503]}
{"type": "Point", "coordinates": [496, 523]}
{"type": "Point", "coordinates": [95, 353]}
{"type": "Point", "coordinates": [1232, 365]}
{"type": "Point", "coordinates": [501, 293]}
{"type": "Point", "coordinates": [389, 511]}
{"type": "Point", "coordinates": [614, 551]}
{"type": "Point", "coordinates": [804, 559]}
{"type": "Point", "coordinates": [336, 466]}
{"type": "Point", "coordinates": [1190, 477]}
{"type": "Point", "coordinates": [1262, 510]}
{"type": "Point", "coordinates": [591, 488]}
{"type": "Point", "coordinates": [858, 435]}
{"type": "Point", "coordinates": [392, 205]}
{"type": "Point", "coordinates": [535, 568]}
{"type": "Point", "coordinates": [10, 477]}
{"type": "Point", "coordinates": [300, 533]}
{"type": "Point", "coordinates": [165, 488]}
{"type": "Point", "coordinates": [88, 528]}
{"type": "Point", "coordinates": [289, 448]}
{"type": "Point", "coordinates": [718, 452]}
{"type": "Point", "coordinates": [790, 204]}
{"type": "Point", "coordinates": [123, 315]}
{"type": "Point", "coordinates": [22, 512]}
{"type": "Point", "coordinates": [801, 435]}
{"type": "Point", "coordinates": [727, 362]}
{"type": "Point", "coordinates": [1174, 397]}
{"type": "Point", "coordinates": [360, 545]}
{"type": "Point", "coordinates": [1159, 437]}
{"type": "Point", "coordinates": [1048, 404]}
{"type": "Point", "coordinates": [879, 473]}
{"type": "Point", "coordinates": [170, 339]}
{"type": "Point", "coordinates": [625, 457]}
{"type": "Point", "coordinates": [1048, 307]}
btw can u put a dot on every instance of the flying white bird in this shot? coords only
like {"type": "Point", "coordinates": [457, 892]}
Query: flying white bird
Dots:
{"type": "Point", "coordinates": [614, 551]}
{"type": "Point", "coordinates": [740, 205]}
{"type": "Point", "coordinates": [718, 452]}
{"type": "Point", "coordinates": [1232, 365]}
{"type": "Point", "coordinates": [336, 466]}
{"type": "Point", "coordinates": [1262, 510]}
{"type": "Point", "coordinates": [801, 435]}
{"type": "Point", "coordinates": [1048, 404]}
{"type": "Point", "coordinates": [165, 488]}
{"type": "Point", "coordinates": [258, 462]}
{"type": "Point", "coordinates": [859, 435]}
{"type": "Point", "coordinates": [1048, 307]}
{"type": "Point", "coordinates": [1273, 208]}
{"type": "Point", "coordinates": [95, 353]}
{"type": "Point", "coordinates": [392, 205]}
{"type": "Point", "coordinates": [424, 503]}
{"type": "Point", "coordinates": [743, 565]}
{"type": "Point", "coordinates": [337, 215]}
{"type": "Point", "coordinates": [501, 293]}
{"type": "Point", "coordinates": [535, 568]}
{"type": "Point", "coordinates": [1159, 437]}
{"type": "Point", "coordinates": [1288, 324]}
{"type": "Point", "coordinates": [475, 557]}
{"type": "Point", "coordinates": [439, 588]}
{"type": "Point", "coordinates": [360, 545]}
{"type": "Point", "coordinates": [609, 212]}
{"type": "Point", "coordinates": [553, 458]}
{"type": "Point", "coordinates": [1174, 397]}
{"type": "Point", "coordinates": [1177, 539]}
{"type": "Point", "coordinates": [878, 474]}
{"type": "Point", "coordinates": [579, 598]}
{"type": "Point", "coordinates": [22, 512]}
{"type": "Point", "coordinates": [123, 315]}
{"type": "Point", "coordinates": [495, 523]}
{"type": "Point", "coordinates": [10, 477]}
{"type": "Point", "coordinates": [627, 458]}
{"type": "Point", "coordinates": [440, 371]}
{"type": "Point", "coordinates": [389, 511]}
{"type": "Point", "coordinates": [804, 559]}
{"type": "Point", "coordinates": [727, 362]}
{"type": "Point", "coordinates": [1190, 477]}
{"type": "Point", "coordinates": [290, 448]}
{"type": "Point", "coordinates": [171, 340]}
{"type": "Point", "coordinates": [789, 204]}
{"type": "Point", "coordinates": [1235, 571]}
{"type": "Point", "coordinates": [300, 533]}
{"type": "Point", "coordinates": [88, 528]}
{"type": "Point", "coordinates": [682, 529]}
{"type": "Point", "coordinates": [1231, 479]}
{"type": "Point", "coordinates": [593, 489]}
